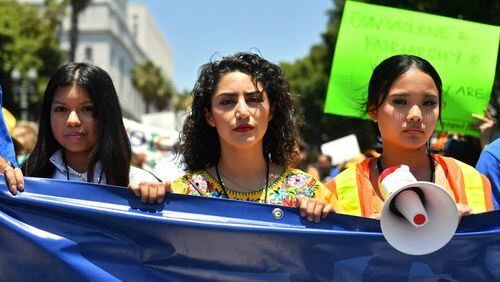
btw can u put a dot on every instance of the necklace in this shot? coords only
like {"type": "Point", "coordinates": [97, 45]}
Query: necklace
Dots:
{"type": "Point", "coordinates": [241, 186]}
{"type": "Point", "coordinates": [219, 179]}
{"type": "Point", "coordinates": [79, 174]}
{"type": "Point", "coordinates": [432, 167]}
{"type": "Point", "coordinates": [70, 169]}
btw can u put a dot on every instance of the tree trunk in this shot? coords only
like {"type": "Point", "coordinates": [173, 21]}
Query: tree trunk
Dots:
{"type": "Point", "coordinates": [73, 33]}
{"type": "Point", "coordinates": [77, 6]}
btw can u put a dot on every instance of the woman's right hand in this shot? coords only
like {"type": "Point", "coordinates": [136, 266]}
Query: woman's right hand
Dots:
{"type": "Point", "coordinates": [313, 209]}
{"type": "Point", "coordinates": [463, 210]}
{"type": "Point", "coordinates": [151, 192]}
{"type": "Point", "coordinates": [13, 177]}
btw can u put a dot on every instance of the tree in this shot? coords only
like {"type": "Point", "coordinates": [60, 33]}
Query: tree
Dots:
{"type": "Point", "coordinates": [165, 93]}
{"type": "Point", "coordinates": [182, 101]}
{"type": "Point", "coordinates": [28, 38]}
{"type": "Point", "coordinates": [77, 6]}
{"type": "Point", "coordinates": [149, 81]}
{"type": "Point", "coordinates": [309, 76]}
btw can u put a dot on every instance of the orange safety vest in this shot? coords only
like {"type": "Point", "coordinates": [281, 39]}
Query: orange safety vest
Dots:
{"type": "Point", "coordinates": [357, 196]}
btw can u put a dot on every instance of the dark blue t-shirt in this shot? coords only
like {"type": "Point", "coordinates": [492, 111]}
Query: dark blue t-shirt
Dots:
{"type": "Point", "coordinates": [489, 165]}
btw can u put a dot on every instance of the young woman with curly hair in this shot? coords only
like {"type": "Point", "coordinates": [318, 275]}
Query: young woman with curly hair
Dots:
{"type": "Point", "coordinates": [239, 138]}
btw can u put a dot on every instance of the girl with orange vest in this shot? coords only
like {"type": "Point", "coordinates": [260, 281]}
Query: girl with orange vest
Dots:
{"type": "Point", "coordinates": [404, 99]}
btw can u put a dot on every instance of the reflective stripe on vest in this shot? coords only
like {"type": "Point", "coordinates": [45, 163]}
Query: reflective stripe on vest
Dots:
{"type": "Point", "coordinates": [473, 187]}
{"type": "Point", "coordinates": [347, 191]}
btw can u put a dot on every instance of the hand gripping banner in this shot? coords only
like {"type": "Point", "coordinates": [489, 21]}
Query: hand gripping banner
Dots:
{"type": "Point", "coordinates": [68, 231]}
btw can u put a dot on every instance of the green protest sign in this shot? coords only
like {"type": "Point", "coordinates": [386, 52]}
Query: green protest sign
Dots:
{"type": "Point", "coordinates": [464, 53]}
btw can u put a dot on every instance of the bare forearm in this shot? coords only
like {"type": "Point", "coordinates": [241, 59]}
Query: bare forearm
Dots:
{"type": "Point", "coordinates": [13, 176]}
{"type": "Point", "coordinates": [3, 164]}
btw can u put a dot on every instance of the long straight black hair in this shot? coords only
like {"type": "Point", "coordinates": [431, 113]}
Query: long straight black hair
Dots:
{"type": "Point", "coordinates": [113, 146]}
{"type": "Point", "coordinates": [390, 70]}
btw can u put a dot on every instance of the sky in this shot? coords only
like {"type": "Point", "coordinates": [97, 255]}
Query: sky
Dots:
{"type": "Point", "coordinates": [198, 31]}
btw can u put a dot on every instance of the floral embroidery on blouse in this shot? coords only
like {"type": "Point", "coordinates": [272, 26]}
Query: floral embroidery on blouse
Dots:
{"type": "Point", "coordinates": [282, 191]}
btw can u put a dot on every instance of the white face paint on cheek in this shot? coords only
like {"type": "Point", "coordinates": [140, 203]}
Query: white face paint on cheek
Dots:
{"type": "Point", "coordinates": [399, 115]}
{"type": "Point", "coordinates": [430, 117]}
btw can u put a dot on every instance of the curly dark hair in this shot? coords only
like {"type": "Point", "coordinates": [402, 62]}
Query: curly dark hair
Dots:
{"type": "Point", "coordinates": [199, 143]}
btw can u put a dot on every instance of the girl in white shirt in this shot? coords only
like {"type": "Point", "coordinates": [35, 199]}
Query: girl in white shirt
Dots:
{"type": "Point", "coordinates": [82, 137]}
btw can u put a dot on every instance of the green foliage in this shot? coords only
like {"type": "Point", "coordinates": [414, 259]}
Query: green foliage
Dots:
{"type": "Point", "coordinates": [182, 101]}
{"type": "Point", "coordinates": [154, 87]}
{"type": "Point", "coordinates": [165, 93]}
{"type": "Point", "coordinates": [309, 76]}
{"type": "Point", "coordinates": [28, 38]}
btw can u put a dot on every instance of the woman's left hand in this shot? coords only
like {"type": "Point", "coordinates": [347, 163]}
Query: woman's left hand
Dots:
{"type": "Point", "coordinates": [463, 210]}
{"type": "Point", "coordinates": [151, 192]}
{"type": "Point", "coordinates": [313, 209]}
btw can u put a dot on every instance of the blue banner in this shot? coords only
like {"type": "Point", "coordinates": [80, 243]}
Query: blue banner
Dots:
{"type": "Point", "coordinates": [60, 231]}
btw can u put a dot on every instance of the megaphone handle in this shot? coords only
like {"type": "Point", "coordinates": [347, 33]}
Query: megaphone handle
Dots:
{"type": "Point", "coordinates": [420, 193]}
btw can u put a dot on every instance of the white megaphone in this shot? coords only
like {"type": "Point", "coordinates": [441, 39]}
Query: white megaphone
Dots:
{"type": "Point", "coordinates": [418, 217]}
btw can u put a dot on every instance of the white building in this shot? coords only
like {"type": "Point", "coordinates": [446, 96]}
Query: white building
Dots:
{"type": "Point", "coordinates": [149, 37]}
{"type": "Point", "coordinates": [116, 35]}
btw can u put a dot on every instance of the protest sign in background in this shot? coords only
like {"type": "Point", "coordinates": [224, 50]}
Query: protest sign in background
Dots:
{"type": "Point", "coordinates": [75, 231]}
{"type": "Point", "coordinates": [464, 53]}
{"type": "Point", "coordinates": [342, 149]}
{"type": "Point", "coordinates": [153, 146]}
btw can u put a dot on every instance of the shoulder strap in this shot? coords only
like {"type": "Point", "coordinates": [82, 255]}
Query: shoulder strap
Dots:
{"type": "Point", "coordinates": [469, 182]}
{"type": "Point", "coordinates": [347, 191]}
{"type": "Point", "coordinates": [473, 187]}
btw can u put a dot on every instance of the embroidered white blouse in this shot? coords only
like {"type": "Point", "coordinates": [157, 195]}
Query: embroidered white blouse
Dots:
{"type": "Point", "coordinates": [136, 175]}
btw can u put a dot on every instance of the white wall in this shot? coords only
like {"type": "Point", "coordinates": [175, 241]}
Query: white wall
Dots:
{"type": "Point", "coordinates": [104, 30]}
{"type": "Point", "coordinates": [150, 38]}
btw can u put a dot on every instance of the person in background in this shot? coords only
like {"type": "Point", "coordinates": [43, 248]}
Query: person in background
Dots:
{"type": "Point", "coordinates": [325, 168]}
{"type": "Point", "coordinates": [468, 148]}
{"type": "Point", "coordinates": [351, 162]}
{"type": "Point", "coordinates": [489, 160]}
{"type": "Point", "coordinates": [489, 165]}
{"type": "Point", "coordinates": [404, 99]}
{"type": "Point", "coordinates": [302, 163]}
{"type": "Point", "coordinates": [438, 141]}
{"type": "Point", "coordinates": [464, 148]}
{"type": "Point", "coordinates": [485, 126]}
{"type": "Point", "coordinates": [240, 135]}
{"type": "Point", "coordinates": [81, 134]}
{"type": "Point", "coordinates": [24, 135]}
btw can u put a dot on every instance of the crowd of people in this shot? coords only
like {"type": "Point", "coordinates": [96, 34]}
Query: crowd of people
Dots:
{"type": "Point", "coordinates": [241, 141]}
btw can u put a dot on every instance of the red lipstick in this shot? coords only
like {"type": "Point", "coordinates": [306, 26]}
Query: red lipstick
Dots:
{"type": "Point", "coordinates": [244, 128]}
